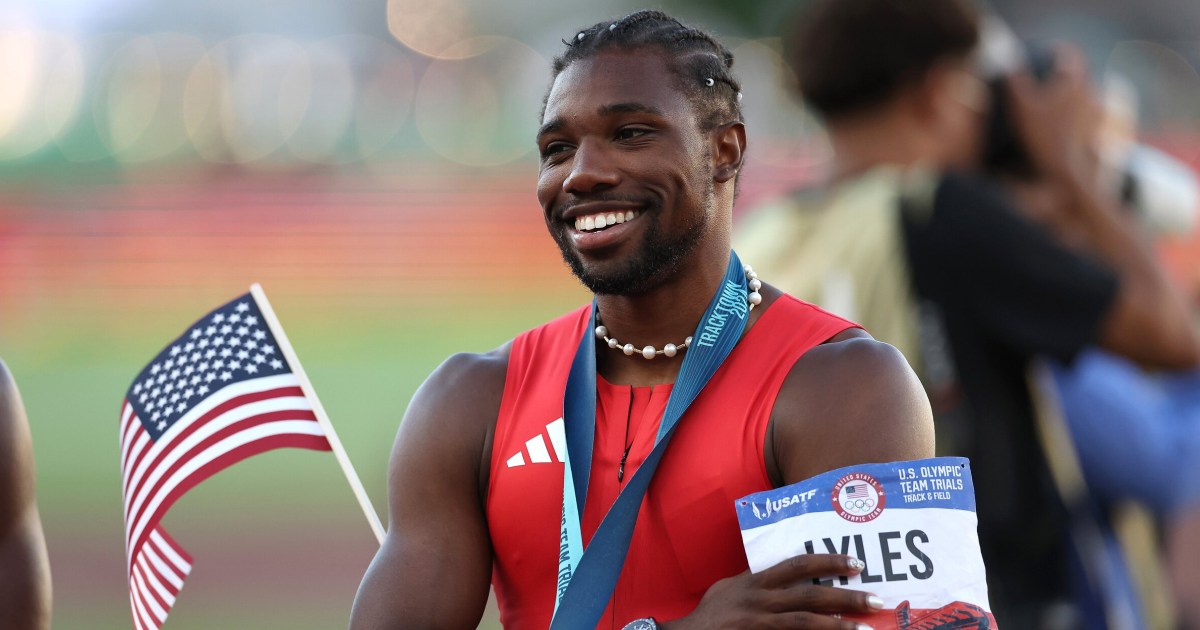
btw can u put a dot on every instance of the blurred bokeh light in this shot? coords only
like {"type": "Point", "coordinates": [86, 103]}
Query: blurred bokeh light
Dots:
{"type": "Point", "coordinates": [479, 109]}
{"type": "Point", "coordinates": [434, 28]}
{"type": "Point", "coordinates": [1165, 85]}
{"type": "Point", "coordinates": [42, 92]}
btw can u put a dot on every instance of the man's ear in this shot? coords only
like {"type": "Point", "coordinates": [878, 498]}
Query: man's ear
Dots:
{"type": "Point", "coordinates": [729, 149]}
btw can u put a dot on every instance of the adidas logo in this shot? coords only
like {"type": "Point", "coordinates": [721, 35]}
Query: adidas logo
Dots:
{"type": "Point", "coordinates": [536, 447]}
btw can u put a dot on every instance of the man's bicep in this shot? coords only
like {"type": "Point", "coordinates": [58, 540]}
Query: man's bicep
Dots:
{"type": "Point", "coordinates": [434, 567]}
{"type": "Point", "coordinates": [850, 402]}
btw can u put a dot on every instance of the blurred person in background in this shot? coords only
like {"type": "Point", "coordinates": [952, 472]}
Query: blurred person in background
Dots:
{"type": "Point", "coordinates": [24, 565]}
{"type": "Point", "coordinates": [915, 239]}
{"type": "Point", "coordinates": [1137, 435]}
{"type": "Point", "coordinates": [1134, 430]}
{"type": "Point", "coordinates": [641, 145]}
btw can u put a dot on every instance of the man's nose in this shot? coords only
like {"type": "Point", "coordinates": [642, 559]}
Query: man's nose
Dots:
{"type": "Point", "coordinates": [592, 169]}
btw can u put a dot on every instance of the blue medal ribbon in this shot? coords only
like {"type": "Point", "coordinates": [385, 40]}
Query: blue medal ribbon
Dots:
{"type": "Point", "coordinates": [586, 579]}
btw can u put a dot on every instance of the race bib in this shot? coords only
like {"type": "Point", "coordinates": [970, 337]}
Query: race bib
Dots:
{"type": "Point", "coordinates": [912, 523]}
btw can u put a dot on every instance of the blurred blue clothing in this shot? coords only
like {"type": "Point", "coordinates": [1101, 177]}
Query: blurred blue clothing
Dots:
{"type": "Point", "coordinates": [1137, 434]}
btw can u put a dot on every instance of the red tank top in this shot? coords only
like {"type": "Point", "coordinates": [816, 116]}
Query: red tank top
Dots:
{"type": "Point", "coordinates": [687, 535]}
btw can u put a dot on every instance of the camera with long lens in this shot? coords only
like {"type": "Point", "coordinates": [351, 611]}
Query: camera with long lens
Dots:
{"type": "Point", "coordinates": [1160, 191]}
{"type": "Point", "coordinates": [1003, 151]}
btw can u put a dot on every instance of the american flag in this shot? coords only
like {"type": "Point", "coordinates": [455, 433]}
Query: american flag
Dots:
{"type": "Point", "coordinates": [857, 491]}
{"type": "Point", "coordinates": [221, 392]}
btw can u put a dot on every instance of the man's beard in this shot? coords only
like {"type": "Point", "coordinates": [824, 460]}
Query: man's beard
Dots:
{"type": "Point", "coordinates": [658, 256]}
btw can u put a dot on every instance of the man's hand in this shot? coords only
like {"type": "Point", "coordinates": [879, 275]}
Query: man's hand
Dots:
{"type": "Point", "coordinates": [783, 596]}
{"type": "Point", "coordinates": [1058, 119]}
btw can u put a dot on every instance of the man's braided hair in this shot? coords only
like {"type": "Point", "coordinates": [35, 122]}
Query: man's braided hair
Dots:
{"type": "Point", "coordinates": [700, 64]}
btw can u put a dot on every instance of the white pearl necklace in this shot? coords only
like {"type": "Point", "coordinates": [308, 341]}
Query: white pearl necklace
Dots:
{"type": "Point", "coordinates": [753, 298]}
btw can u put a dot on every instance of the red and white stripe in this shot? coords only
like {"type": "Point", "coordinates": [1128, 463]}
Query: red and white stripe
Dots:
{"type": "Point", "coordinates": [157, 576]}
{"type": "Point", "coordinates": [234, 423]}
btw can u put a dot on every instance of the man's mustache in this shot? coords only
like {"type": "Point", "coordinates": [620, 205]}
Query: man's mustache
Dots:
{"type": "Point", "coordinates": [578, 200]}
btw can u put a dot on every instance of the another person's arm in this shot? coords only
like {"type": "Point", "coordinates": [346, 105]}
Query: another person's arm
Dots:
{"type": "Point", "coordinates": [850, 386]}
{"type": "Point", "coordinates": [980, 259]}
{"type": "Point", "coordinates": [1148, 321]}
{"type": "Point", "coordinates": [435, 564]}
{"type": "Point", "coordinates": [24, 566]}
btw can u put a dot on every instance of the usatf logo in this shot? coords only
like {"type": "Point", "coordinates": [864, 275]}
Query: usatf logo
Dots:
{"type": "Point", "coordinates": [775, 505]}
{"type": "Point", "coordinates": [858, 497]}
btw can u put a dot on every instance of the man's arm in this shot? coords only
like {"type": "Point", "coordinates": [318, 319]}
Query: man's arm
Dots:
{"type": "Point", "coordinates": [24, 566]}
{"type": "Point", "coordinates": [849, 386]}
{"type": "Point", "coordinates": [435, 564]}
{"type": "Point", "coordinates": [855, 386]}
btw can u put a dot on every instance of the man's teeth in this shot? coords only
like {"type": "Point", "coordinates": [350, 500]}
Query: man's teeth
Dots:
{"type": "Point", "coordinates": [601, 220]}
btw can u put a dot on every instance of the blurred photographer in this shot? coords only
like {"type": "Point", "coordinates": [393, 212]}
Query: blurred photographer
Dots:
{"type": "Point", "coordinates": [918, 236]}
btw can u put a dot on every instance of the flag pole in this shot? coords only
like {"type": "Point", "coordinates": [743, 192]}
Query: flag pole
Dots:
{"type": "Point", "coordinates": [335, 444]}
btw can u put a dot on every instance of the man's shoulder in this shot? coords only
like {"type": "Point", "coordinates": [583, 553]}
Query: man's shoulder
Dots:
{"type": "Point", "coordinates": [846, 360]}
{"type": "Point", "coordinates": [856, 400]}
{"type": "Point", "coordinates": [463, 376]}
{"type": "Point", "coordinates": [791, 321]}
{"type": "Point", "coordinates": [796, 309]}
{"type": "Point", "coordinates": [850, 358]}
{"type": "Point", "coordinates": [452, 415]}
{"type": "Point", "coordinates": [477, 378]}
{"type": "Point", "coordinates": [568, 324]}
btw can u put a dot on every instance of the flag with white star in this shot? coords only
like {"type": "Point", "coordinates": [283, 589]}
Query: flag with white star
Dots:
{"type": "Point", "coordinates": [221, 392]}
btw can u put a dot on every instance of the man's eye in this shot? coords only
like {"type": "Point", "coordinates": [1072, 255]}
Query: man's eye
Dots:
{"type": "Point", "coordinates": [553, 149]}
{"type": "Point", "coordinates": [629, 133]}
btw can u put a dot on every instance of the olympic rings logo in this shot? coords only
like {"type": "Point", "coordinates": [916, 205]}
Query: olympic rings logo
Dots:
{"type": "Point", "coordinates": [858, 497]}
{"type": "Point", "coordinates": [859, 505]}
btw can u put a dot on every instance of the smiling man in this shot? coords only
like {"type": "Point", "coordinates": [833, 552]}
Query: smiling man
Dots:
{"type": "Point", "coordinates": [687, 384]}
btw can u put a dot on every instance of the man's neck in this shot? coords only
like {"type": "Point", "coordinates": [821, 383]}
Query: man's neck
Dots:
{"type": "Point", "coordinates": [666, 314]}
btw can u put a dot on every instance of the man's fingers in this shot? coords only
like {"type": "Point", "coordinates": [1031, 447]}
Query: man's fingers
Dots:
{"type": "Point", "coordinates": [785, 596]}
{"type": "Point", "coordinates": [808, 566]}
{"type": "Point", "coordinates": [810, 621]}
{"type": "Point", "coordinates": [823, 599]}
